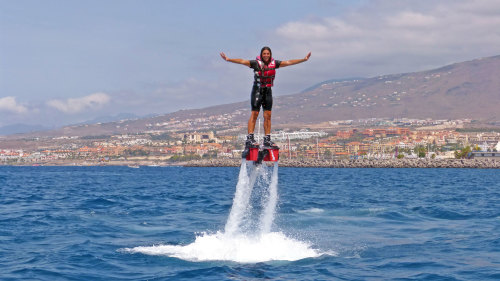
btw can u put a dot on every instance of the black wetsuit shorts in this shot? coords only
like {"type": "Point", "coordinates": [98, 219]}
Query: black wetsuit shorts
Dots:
{"type": "Point", "coordinates": [261, 97]}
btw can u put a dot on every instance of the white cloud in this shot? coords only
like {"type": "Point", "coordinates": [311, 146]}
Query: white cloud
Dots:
{"type": "Point", "coordinates": [386, 37]}
{"type": "Point", "coordinates": [328, 28]}
{"type": "Point", "coordinates": [412, 20]}
{"type": "Point", "coordinates": [76, 105]}
{"type": "Point", "coordinates": [10, 104]}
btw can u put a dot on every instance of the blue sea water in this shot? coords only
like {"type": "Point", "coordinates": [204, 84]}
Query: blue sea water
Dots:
{"type": "Point", "coordinates": [80, 223]}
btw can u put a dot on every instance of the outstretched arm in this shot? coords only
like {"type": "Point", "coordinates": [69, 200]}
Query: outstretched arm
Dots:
{"type": "Point", "coordinates": [240, 61]}
{"type": "Point", "coordinates": [292, 62]}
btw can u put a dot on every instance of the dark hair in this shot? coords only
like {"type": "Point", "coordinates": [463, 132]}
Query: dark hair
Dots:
{"type": "Point", "coordinates": [265, 48]}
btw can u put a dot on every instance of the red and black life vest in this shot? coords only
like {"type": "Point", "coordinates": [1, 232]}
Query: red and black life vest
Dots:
{"type": "Point", "coordinates": [265, 76]}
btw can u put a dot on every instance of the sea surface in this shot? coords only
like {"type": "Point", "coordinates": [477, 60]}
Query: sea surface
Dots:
{"type": "Point", "coordinates": [173, 223]}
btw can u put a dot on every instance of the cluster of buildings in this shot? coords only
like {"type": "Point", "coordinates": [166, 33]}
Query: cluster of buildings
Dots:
{"type": "Point", "coordinates": [394, 141]}
{"type": "Point", "coordinates": [385, 142]}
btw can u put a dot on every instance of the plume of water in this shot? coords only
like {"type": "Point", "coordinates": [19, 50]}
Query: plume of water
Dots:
{"type": "Point", "coordinates": [269, 211]}
{"type": "Point", "coordinates": [239, 242]}
{"type": "Point", "coordinates": [241, 206]}
{"type": "Point", "coordinates": [239, 219]}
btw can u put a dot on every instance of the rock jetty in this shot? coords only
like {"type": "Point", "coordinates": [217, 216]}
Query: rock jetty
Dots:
{"type": "Point", "coordinates": [362, 163]}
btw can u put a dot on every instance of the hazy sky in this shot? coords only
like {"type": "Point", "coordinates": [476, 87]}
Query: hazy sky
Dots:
{"type": "Point", "coordinates": [63, 62]}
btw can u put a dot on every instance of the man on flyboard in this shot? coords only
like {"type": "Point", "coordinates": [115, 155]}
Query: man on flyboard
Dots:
{"type": "Point", "coordinates": [264, 67]}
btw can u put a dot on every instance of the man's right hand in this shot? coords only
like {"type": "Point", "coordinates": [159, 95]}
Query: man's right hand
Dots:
{"type": "Point", "coordinates": [223, 56]}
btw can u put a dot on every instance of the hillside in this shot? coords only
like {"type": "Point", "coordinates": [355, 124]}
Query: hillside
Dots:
{"type": "Point", "coordinates": [462, 90]}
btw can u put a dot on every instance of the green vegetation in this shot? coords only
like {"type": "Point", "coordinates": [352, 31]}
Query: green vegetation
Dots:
{"type": "Point", "coordinates": [136, 152]}
{"type": "Point", "coordinates": [460, 154]}
{"type": "Point", "coordinates": [164, 136]}
{"type": "Point", "coordinates": [421, 151]}
{"type": "Point", "coordinates": [356, 137]}
{"type": "Point", "coordinates": [210, 155]}
{"type": "Point", "coordinates": [180, 158]}
{"type": "Point", "coordinates": [327, 154]}
{"type": "Point", "coordinates": [401, 156]}
{"type": "Point", "coordinates": [404, 150]}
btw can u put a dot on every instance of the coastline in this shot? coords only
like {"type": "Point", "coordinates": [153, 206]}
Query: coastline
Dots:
{"type": "Point", "coordinates": [296, 163]}
{"type": "Point", "coordinates": [361, 163]}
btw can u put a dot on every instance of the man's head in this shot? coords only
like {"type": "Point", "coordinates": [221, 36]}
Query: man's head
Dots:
{"type": "Point", "coordinates": [266, 54]}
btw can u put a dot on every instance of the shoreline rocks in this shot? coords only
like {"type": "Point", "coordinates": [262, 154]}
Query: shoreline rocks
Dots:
{"type": "Point", "coordinates": [300, 163]}
{"type": "Point", "coordinates": [361, 163]}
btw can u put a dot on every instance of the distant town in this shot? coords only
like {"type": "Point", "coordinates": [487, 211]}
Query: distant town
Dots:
{"type": "Point", "coordinates": [343, 139]}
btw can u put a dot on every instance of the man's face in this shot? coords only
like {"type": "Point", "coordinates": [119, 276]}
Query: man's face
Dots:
{"type": "Point", "coordinates": [266, 56]}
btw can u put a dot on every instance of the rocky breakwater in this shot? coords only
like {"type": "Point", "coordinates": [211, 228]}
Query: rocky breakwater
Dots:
{"type": "Point", "coordinates": [213, 163]}
{"type": "Point", "coordinates": [362, 163]}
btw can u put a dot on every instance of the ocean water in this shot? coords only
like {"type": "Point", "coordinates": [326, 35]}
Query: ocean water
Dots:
{"type": "Point", "coordinates": [179, 223]}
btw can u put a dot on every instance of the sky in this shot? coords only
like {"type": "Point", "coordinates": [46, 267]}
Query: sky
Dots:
{"type": "Point", "coordinates": [65, 62]}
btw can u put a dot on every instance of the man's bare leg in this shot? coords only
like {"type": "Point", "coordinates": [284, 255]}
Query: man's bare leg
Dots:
{"type": "Point", "coordinates": [267, 129]}
{"type": "Point", "coordinates": [252, 121]}
{"type": "Point", "coordinates": [267, 122]}
{"type": "Point", "coordinates": [250, 138]}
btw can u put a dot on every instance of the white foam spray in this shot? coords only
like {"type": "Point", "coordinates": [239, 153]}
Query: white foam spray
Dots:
{"type": "Point", "coordinates": [241, 241]}
{"type": "Point", "coordinates": [236, 248]}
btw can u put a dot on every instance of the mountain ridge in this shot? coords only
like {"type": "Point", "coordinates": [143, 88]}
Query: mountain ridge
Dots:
{"type": "Point", "coordinates": [469, 89]}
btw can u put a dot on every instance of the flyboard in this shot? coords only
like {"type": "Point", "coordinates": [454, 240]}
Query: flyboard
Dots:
{"type": "Point", "coordinates": [258, 153]}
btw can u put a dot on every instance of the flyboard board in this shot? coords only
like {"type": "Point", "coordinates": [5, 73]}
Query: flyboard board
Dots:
{"type": "Point", "coordinates": [258, 153]}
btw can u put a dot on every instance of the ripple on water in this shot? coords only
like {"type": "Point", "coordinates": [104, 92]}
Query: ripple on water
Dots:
{"type": "Point", "coordinates": [67, 223]}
